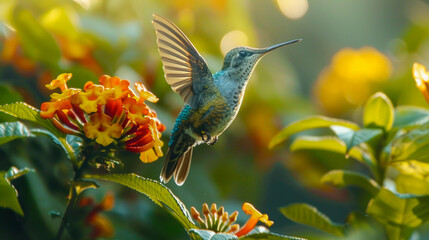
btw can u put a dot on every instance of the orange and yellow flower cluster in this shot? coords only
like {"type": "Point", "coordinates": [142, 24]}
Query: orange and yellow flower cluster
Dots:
{"type": "Point", "coordinates": [217, 220]}
{"type": "Point", "coordinates": [108, 113]}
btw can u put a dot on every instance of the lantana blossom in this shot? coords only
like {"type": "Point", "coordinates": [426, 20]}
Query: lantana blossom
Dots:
{"type": "Point", "coordinates": [110, 113]}
{"type": "Point", "coordinates": [219, 221]}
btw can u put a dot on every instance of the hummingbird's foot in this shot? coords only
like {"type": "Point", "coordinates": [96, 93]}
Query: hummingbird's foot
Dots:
{"type": "Point", "coordinates": [207, 138]}
{"type": "Point", "coordinates": [213, 141]}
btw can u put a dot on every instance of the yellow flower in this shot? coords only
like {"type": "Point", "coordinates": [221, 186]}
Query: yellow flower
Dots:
{"type": "Point", "coordinates": [255, 216]}
{"type": "Point", "coordinates": [94, 96]}
{"type": "Point", "coordinates": [421, 77]}
{"type": "Point", "coordinates": [101, 128]}
{"type": "Point", "coordinates": [60, 82]}
{"type": "Point", "coordinates": [145, 94]}
{"type": "Point", "coordinates": [350, 79]}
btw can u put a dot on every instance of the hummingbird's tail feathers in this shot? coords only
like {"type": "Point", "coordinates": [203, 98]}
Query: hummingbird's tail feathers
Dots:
{"type": "Point", "coordinates": [178, 160]}
{"type": "Point", "coordinates": [182, 169]}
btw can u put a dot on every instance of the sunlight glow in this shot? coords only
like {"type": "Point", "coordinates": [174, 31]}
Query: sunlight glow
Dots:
{"type": "Point", "coordinates": [233, 39]}
{"type": "Point", "coordinates": [293, 9]}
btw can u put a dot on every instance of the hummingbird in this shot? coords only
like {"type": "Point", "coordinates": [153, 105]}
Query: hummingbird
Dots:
{"type": "Point", "coordinates": [211, 100]}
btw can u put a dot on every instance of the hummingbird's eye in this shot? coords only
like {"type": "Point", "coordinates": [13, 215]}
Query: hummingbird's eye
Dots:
{"type": "Point", "coordinates": [242, 53]}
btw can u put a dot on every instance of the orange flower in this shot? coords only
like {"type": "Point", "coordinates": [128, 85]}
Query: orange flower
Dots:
{"type": "Point", "coordinates": [110, 114]}
{"type": "Point", "coordinates": [100, 224]}
{"type": "Point", "coordinates": [421, 77]}
{"type": "Point", "coordinates": [60, 82]}
{"type": "Point", "coordinates": [121, 87]}
{"type": "Point", "coordinates": [255, 216]}
{"type": "Point", "coordinates": [101, 128]}
{"type": "Point", "coordinates": [217, 220]}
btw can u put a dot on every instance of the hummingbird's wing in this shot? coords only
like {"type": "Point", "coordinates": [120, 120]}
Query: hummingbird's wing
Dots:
{"type": "Point", "coordinates": [185, 69]}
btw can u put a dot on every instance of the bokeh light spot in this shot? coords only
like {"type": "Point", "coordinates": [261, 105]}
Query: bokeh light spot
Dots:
{"type": "Point", "coordinates": [233, 39]}
{"type": "Point", "coordinates": [293, 9]}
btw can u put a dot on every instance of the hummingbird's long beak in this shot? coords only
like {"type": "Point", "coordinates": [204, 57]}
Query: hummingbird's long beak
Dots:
{"type": "Point", "coordinates": [269, 49]}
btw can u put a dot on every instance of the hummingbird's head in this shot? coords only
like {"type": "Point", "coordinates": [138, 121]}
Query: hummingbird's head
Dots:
{"type": "Point", "coordinates": [242, 60]}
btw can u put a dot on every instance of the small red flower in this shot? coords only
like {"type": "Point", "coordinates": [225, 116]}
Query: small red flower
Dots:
{"type": "Point", "coordinates": [100, 224]}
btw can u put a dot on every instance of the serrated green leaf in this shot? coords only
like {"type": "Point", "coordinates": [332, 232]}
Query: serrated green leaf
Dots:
{"type": "Point", "coordinates": [378, 112]}
{"type": "Point", "coordinates": [353, 138]}
{"type": "Point", "coordinates": [307, 124]}
{"type": "Point", "coordinates": [24, 111]}
{"type": "Point", "coordinates": [37, 43]}
{"type": "Point", "coordinates": [13, 130]}
{"type": "Point", "coordinates": [410, 116]}
{"type": "Point", "coordinates": [413, 145]}
{"type": "Point", "coordinates": [14, 172]}
{"type": "Point", "coordinates": [342, 178]}
{"type": "Point", "coordinates": [309, 215]}
{"type": "Point", "coordinates": [9, 195]}
{"type": "Point", "coordinates": [269, 236]}
{"type": "Point", "coordinates": [156, 191]}
{"type": "Point", "coordinates": [400, 213]}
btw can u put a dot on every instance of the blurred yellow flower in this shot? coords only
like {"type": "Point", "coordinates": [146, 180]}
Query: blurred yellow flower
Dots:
{"type": "Point", "coordinates": [350, 79]}
{"type": "Point", "coordinates": [421, 77]}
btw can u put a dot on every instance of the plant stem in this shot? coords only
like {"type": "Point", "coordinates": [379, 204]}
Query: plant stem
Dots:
{"type": "Point", "coordinates": [73, 195]}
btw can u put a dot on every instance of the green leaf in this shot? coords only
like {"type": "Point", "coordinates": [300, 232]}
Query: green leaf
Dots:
{"type": "Point", "coordinates": [156, 191]}
{"type": "Point", "coordinates": [24, 111]}
{"type": "Point", "coordinates": [326, 143]}
{"type": "Point", "coordinates": [211, 235]}
{"type": "Point", "coordinates": [13, 130]}
{"type": "Point", "coordinates": [268, 236]}
{"type": "Point", "coordinates": [400, 213]}
{"type": "Point", "coordinates": [334, 144]}
{"type": "Point", "coordinates": [9, 195]}
{"type": "Point", "coordinates": [410, 116]}
{"type": "Point", "coordinates": [353, 138]}
{"type": "Point", "coordinates": [407, 183]}
{"type": "Point", "coordinates": [14, 172]}
{"type": "Point", "coordinates": [342, 178]}
{"type": "Point", "coordinates": [82, 185]}
{"type": "Point", "coordinates": [378, 112]}
{"type": "Point", "coordinates": [37, 42]}
{"type": "Point", "coordinates": [70, 144]}
{"type": "Point", "coordinates": [413, 145]}
{"type": "Point", "coordinates": [309, 215]}
{"type": "Point", "coordinates": [307, 124]}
